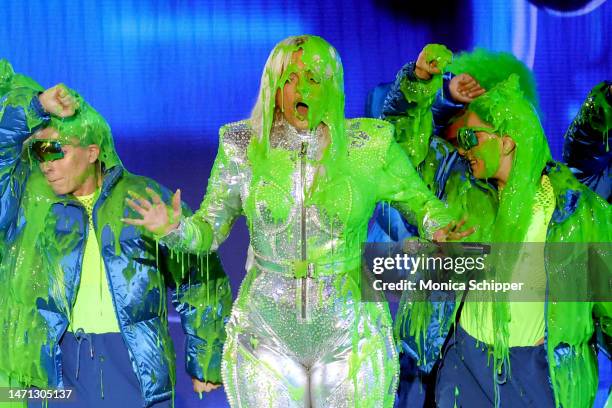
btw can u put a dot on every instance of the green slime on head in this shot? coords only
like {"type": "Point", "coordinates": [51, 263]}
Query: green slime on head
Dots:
{"type": "Point", "coordinates": [490, 68]}
{"type": "Point", "coordinates": [324, 96]}
{"type": "Point", "coordinates": [88, 127]}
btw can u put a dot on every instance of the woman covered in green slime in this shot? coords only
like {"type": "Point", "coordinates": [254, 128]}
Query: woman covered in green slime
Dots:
{"type": "Point", "coordinates": [307, 180]}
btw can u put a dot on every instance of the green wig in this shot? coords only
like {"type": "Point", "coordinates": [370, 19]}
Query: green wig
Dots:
{"type": "Point", "coordinates": [490, 68]}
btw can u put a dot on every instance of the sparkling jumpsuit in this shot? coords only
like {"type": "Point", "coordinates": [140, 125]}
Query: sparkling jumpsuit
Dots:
{"type": "Point", "coordinates": [298, 335]}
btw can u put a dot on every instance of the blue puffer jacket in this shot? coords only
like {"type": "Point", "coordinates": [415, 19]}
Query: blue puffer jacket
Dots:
{"type": "Point", "coordinates": [586, 149]}
{"type": "Point", "coordinates": [580, 217]}
{"type": "Point", "coordinates": [442, 169]}
{"type": "Point", "coordinates": [137, 269]}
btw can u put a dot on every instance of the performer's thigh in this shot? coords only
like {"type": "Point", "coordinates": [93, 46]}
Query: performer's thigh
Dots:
{"type": "Point", "coordinates": [358, 368]}
{"type": "Point", "coordinates": [260, 374]}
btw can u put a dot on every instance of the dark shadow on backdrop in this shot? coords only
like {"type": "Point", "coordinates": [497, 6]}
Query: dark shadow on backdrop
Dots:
{"type": "Point", "coordinates": [449, 19]}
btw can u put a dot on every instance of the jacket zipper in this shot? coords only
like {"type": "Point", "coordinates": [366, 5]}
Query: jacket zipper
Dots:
{"type": "Point", "coordinates": [303, 257]}
{"type": "Point", "coordinates": [94, 215]}
{"type": "Point", "coordinates": [75, 289]}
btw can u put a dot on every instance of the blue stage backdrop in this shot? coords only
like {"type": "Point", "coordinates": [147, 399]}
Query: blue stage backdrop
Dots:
{"type": "Point", "coordinates": [168, 74]}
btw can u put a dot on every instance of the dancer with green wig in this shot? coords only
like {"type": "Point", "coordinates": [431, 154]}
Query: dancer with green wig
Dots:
{"type": "Point", "coordinates": [426, 104]}
{"type": "Point", "coordinates": [307, 179]}
{"type": "Point", "coordinates": [83, 296]}
{"type": "Point", "coordinates": [411, 97]}
{"type": "Point", "coordinates": [536, 353]}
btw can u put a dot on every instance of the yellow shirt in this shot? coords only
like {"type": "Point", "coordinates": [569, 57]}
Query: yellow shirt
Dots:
{"type": "Point", "coordinates": [526, 327]}
{"type": "Point", "coordinates": [93, 309]}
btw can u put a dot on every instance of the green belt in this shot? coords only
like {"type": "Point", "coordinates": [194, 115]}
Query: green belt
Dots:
{"type": "Point", "coordinates": [306, 269]}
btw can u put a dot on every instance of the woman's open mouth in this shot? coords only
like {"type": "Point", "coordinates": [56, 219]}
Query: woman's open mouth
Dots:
{"type": "Point", "coordinates": [302, 110]}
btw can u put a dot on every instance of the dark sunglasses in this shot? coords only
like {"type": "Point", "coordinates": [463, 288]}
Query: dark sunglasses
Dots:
{"type": "Point", "coordinates": [467, 139]}
{"type": "Point", "coordinates": [47, 150]}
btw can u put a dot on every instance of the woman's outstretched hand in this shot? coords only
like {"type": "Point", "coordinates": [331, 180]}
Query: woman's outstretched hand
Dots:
{"type": "Point", "coordinates": [203, 386]}
{"type": "Point", "coordinates": [452, 232]}
{"type": "Point", "coordinates": [157, 217]}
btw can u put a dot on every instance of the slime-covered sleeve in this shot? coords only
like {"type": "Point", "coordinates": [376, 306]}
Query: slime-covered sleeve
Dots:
{"type": "Point", "coordinates": [202, 299]}
{"type": "Point", "coordinates": [402, 186]}
{"type": "Point", "coordinates": [408, 108]}
{"type": "Point", "coordinates": [222, 205]}
{"type": "Point", "coordinates": [396, 103]}
{"type": "Point", "coordinates": [408, 91]}
{"type": "Point", "coordinates": [20, 114]}
{"type": "Point", "coordinates": [444, 108]}
{"type": "Point", "coordinates": [586, 147]}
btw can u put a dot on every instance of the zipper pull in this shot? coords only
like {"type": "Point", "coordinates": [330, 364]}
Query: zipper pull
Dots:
{"type": "Point", "coordinates": [310, 270]}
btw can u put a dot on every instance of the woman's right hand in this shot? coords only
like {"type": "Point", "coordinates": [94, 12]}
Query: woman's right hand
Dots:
{"type": "Point", "coordinates": [157, 217]}
{"type": "Point", "coordinates": [431, 61]}
{"type": "Point", "coordinates": [452, 232]}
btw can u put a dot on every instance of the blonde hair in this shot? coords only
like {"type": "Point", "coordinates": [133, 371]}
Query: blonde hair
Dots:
{"type": "Point", "coordinates": [277, 62]}
{"type": "Point", "coordinates": [323, 59]}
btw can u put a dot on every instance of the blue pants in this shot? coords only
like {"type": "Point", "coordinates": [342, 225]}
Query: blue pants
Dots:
{"type": "Point", "coordinates": [414, 386]}
{"type": "Point", "coordinates": [98, 368]}
{"type": "Point", "coordinates": [466, 376]}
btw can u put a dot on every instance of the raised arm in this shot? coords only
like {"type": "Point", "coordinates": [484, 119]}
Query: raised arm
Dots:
{"type": "Point", "coordinates": [22, 112]}
{"type": "Point", "coordinates": [401, 185]}
{"type": "Point", "coordinates": [408, 104]}
{"type": "Point", "coordinates": [202, 297]}
{"type": "Point", "coordinates": [210, 225]}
